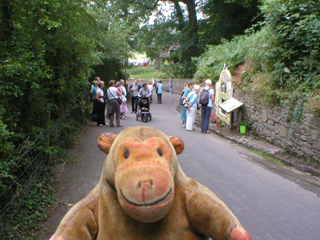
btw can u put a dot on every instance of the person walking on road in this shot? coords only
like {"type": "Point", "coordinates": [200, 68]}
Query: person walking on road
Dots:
{"type": "Point", "coordinates": [159, 91]}
{"type": "Point", "coordinates": [207, 108]}
{"type": "Point", "coordinates": [170, 84]}
{"type": "Point", "coordinates": [183, 116]}
{"type": "Point", "coordinates": [154, 82]}
{"type": "Point", "coordinates": [114, 106]}
{"type": "Point", "coordinates": [123, 106]}
{"type": "Point", "coordinates": [192, 109]}
{"type": "Point", "coordinates": [101, 104]}
{"type": "Point", "coordinates": [150, 87]}
{"type": "Point", "coordinates": [134, 89]}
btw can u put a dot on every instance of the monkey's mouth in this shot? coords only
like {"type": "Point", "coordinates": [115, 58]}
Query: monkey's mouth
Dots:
{"type": "Point", "coordinates": [145, 204]}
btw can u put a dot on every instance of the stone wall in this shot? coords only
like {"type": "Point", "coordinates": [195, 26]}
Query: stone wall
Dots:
{"type": "Point", "coordinates": [177, 83]}
{"type": "Point", "coordinates": [271, 124]}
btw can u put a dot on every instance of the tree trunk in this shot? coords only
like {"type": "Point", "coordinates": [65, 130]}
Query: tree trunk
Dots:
{"type": "Point", "coordinates": [179, 14]}
{"type": "Point", "coordinates": [189, 36]}
{"type": "Point", "coordinates": [192, 28]}
{"type": "Point", "coordinates": [157, 64]}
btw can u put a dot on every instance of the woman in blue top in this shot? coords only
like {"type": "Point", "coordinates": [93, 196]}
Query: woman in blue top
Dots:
{"type": "Point", "coordinates": [183, 116]}
{"type": "Point", "coordinates": [159, 91]}
{"type": "Point", "coordinates": [192, 109]}
{"type": "Point", "coordinates": [94, 106]}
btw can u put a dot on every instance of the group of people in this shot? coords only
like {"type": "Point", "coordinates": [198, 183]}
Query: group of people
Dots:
{"type": "Point", "coordinates": [188, 115]}
{"type": "Point", "coordinates": [117, 96]}
{"type": "Point", "coordinates": [146, 90]}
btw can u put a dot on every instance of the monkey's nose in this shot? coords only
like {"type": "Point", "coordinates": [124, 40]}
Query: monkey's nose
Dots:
{"type": "Point", "coordinates": [145, 183]}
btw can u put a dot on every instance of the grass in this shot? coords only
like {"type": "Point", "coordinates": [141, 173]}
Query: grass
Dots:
{"type": "Point", "coordinates": [145, 72]}
{"type": "Point", "coordinates": [267, 156]}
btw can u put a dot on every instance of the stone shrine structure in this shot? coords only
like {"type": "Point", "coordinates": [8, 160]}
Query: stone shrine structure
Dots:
{"type": "Point", "coordinates": [224, 91]}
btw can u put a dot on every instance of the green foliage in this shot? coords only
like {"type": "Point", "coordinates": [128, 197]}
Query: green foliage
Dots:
{"type": "Point", "coordinates": [281, 62]}
{"type": "Point", "coordinates": [217, 121]}
{"type": "Point", "coordinates": [234, 53]}
{"type": "Point", "coordinates": [227, 19]}
{"type": "Point", "coordinates": [178, 70]}
{"type": "Point", "coordinates": [313, 103]}
{"type": "Point", "coordinates": [6, 147]}
{"type": "Point", "coordinates": [156, 39]}
{"type": "Point", "coordinates": [25, 180]}
{"type": "Point", "coordinates": [266, 156]}
{"type": "Point", "coordinates": [296, 27]}
{"type": "Point", "coordinates": [296, 52]}
{"type": "Point", "coordinates": [243, 123]}
{"type": "Point", "coordinates": [48, 50]}
{"type": "Point", "coordinates": [33, 207]}
{"type": "Point", "coordinates": [145, 72]}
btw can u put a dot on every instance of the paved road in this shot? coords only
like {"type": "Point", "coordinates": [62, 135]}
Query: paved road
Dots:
{"type": "Point", "coordinates": [270, 201]}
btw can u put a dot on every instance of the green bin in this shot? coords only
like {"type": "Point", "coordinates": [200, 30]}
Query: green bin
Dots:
{"type": "Point", "coordinates": [243, 129]}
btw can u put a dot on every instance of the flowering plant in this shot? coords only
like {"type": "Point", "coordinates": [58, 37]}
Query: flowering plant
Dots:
{"type": "Point", "coordinates": [216, 120]}
{"type": "Point", "coordinates": [242, 123]}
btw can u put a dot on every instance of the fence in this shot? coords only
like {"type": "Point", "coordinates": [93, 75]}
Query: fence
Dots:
{"type": "Point", "coordinates": [25, 170]}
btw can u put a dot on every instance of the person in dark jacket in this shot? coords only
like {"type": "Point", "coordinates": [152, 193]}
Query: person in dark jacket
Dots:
{"type": "Point", "coordinates": [100, 105]}
{"type": "Point", "coordinates": [134, 89]}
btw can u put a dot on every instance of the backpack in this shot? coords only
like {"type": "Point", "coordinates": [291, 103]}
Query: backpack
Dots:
{"type": "Point", "coordinates": [204, 97]}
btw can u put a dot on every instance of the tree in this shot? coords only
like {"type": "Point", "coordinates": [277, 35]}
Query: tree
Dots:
{"type": "Point", "coordinates": [48, 50]}
{"type": "Point", "coordinates": [227, 19]}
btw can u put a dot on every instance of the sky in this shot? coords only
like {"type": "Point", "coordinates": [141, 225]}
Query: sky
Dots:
{"type": "Point", "coordinates": [166, 8]}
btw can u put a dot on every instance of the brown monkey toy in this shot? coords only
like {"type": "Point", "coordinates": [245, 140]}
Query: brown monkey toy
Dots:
{"type": "Point", "coordinates": [144, 194]}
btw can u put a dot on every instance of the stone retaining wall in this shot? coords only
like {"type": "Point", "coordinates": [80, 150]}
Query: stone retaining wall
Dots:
{"type": "Point", "coordinates": [271, 124]}
{"type": "Point", "coordinates": [177, 83]}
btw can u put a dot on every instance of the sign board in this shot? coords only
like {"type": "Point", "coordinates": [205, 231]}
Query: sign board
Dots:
{"type": "Point", "coordinates": [230, 105]}
{"type": "Point", "coordinates": [223, 95]}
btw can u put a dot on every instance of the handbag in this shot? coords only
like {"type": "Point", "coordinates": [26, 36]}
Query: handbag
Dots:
{"type": "Point", "coordinates": [181, 101]}
{"type": "Point", "coordinates": [118, 99]}
{"type": "Point", "coordinates": [186, 102]}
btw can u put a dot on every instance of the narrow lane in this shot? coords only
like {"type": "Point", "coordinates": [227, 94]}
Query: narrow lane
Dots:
{"type": "Point", "coordinates": [269, 204]}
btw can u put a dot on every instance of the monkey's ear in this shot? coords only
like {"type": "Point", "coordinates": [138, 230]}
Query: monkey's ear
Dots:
{"type": "Point", "coordinates": [105, 141]}
{"type": "Point", "coordinates": [177, 144]}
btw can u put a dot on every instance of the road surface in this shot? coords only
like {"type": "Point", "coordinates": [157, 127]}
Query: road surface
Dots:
{"type": "Point", "coordinates": [271, 201]}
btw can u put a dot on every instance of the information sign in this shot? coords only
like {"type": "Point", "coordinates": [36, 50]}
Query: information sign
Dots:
{"type": "Point", "coordinates": [230, 105]}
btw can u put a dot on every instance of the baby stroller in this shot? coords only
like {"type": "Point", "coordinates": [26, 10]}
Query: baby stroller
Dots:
{"type": "Point", "coordinates": [144, 106]}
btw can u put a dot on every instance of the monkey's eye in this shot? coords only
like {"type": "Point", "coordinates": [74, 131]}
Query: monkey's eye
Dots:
{"type": "Point", "coordinates": [126, 154]}
{"type": "Point", "coordinates": [159, 152]}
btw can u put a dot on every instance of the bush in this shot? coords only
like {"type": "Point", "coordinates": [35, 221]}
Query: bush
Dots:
{"type": "Point", "coordinates": [296, 52]}
{"type": "Point", "coordinates": [233, 53]}
{"type": "Point", "coordinates": [279, 63]}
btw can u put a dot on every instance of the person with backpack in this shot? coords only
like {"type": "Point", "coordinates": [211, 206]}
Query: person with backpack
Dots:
{"type": "Point", "coordinates": [206, 98]}
{"type": "Point", "coordinates": [159, 91]}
